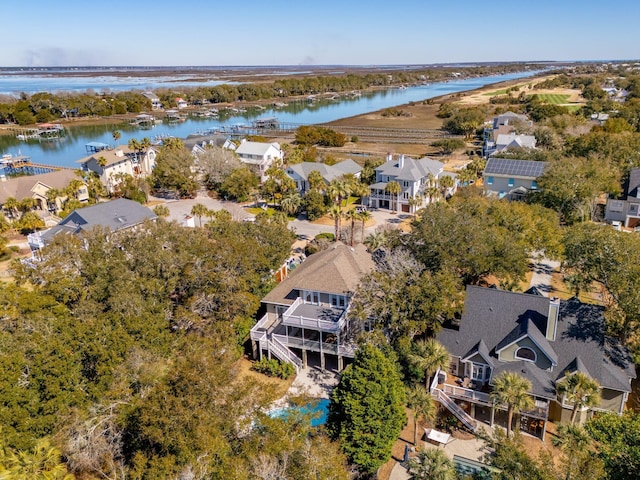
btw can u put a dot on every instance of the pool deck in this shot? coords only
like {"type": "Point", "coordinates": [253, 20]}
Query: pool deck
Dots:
{"type": "Point", "coordinates": [314, 382]}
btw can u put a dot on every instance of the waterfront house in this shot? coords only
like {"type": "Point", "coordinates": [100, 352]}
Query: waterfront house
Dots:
{"type": "Point", "coordinates": [38, 187]}
{"type": "Point", "coordinates": [543, 340]}
{"type": "Point", "coordinates": [306, 315]}
{"type": "Point", "coordinates": [300, 172]}
{"type": "Point", "coordinates": [626, 209]}
{"type": "Point", "coordinates": [115, 215]}
{"type": "Point", "coordinates": [156, 104]}
{"type": "Point", "coordinates": [259, 156]}
{"type": "Point", "coordinates": [181, 103]}
{"type": "Point", "coordinates": [416, 178]}
{"type": "Point", "coordinates": [511, 179]}
{"type": "Point", "coordinates": [198, 144]}
{"type": "Point", "coordinates": [112, 165]}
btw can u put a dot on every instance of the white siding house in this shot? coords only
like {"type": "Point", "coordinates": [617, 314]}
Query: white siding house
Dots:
{"type": "Point", "coordinates": [259, 156]}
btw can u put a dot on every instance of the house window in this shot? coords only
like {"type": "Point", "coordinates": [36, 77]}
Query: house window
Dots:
{"type": "Point", "coordinates": [525, 353]}
{"type": "Point", "coordinates": [405, 195]}
{"type": "Point", "coordinates": [511, 182]}
{"type": "Point", "coordinates": [489, 180]}
{"type": "Point", "coordinates": [477, 372]}
{"type": "Point", "coordinates": [312, 298]}
{"type": "Point", "coordinates": [338, 301]}
{"type": "Point", "coordinates": [534, 185]}
{"type": "Point", "coordinates": [405, 184]}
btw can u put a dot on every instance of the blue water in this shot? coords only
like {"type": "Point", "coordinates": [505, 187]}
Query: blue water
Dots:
{"type": "Point", "coordinates": [14, 84]}
{"type": "Point", "coordinates": [319, 411]}
{"type": "Point", "coordinates": [67, 150]}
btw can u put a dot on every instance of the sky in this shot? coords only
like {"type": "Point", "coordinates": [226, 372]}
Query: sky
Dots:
{"type": "Point", "coordinates": [306, 32]}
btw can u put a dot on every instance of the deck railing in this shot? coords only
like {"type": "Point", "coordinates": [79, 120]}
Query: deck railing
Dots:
{"type": "Point", "coordinates": [314, 323]}
{"type": "Point", "coordinates": [463, 416]}
{"type": "Point", "coordinates": [466, 394]}
{"type": "Point", "coordinates": [347, 350]}
{"type": "Point", "coordinates": [284, 354]}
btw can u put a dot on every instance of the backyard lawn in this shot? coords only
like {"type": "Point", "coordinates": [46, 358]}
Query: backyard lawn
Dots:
{"type": "Point", "coordinates": [553, 98]}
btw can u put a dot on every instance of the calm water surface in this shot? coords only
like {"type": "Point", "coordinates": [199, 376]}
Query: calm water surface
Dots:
{"type": "Point", "coordinates": [67, 150]}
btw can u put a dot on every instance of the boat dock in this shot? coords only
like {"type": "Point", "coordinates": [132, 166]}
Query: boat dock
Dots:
{"type": "Point", "coordinates": [22, 165]}
{"type": "Point", "coordinates": [43, 131]}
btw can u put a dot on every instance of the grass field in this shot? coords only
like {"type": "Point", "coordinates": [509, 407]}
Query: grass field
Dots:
{"type": "Point", "coordinates": [552, 98]}
{"type": "Point", "coordinates": [495, 92]}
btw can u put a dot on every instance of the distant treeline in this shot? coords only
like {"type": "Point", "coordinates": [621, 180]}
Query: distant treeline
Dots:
{"type": "Point", "coordinates": [45, 107]}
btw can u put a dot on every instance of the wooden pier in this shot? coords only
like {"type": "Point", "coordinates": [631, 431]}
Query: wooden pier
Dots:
{"type": "Point", "coordinates": [22, 165]}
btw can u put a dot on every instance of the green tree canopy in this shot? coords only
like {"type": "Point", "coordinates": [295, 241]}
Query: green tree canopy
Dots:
{"type": "Point", "coordinates": [367, 409]}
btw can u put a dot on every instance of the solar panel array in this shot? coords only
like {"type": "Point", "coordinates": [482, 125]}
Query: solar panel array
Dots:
{"type": "Point", "coordinates": [517, 168]}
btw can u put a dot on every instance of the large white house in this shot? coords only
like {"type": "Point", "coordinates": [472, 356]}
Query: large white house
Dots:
{"type": "Point", "coordinates": [415, 178]}
{"type": "Point", "coordinates": [111, 165]}
{"type": "Point", "coordinates": [259, 156]}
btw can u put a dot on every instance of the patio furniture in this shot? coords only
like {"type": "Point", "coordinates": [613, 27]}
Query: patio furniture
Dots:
{"type": "Point", "coordinates": [439, 437]}
{"type": "Point", "coordinates": [466, 382]}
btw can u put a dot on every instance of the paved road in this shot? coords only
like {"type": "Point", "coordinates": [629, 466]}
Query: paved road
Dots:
{"type": "Point", "coordinates": [541, 278]}
{"type": "Point", "coordinates": [181, 209]}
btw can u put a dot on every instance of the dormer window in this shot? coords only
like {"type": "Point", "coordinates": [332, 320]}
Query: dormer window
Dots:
{"type": "Point", "coordinates": [525, 353]}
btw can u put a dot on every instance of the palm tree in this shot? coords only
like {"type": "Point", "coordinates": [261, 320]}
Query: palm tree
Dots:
{"type": "Point", "coordinates": [394, 188]}
{"type": "Point", "coordinates": [512, 390]}
{"type": "Point", "coordinates": [353, 216]}
{"type": "Point", "coordinates": [27, 204]}
{"type": "Point", "coordinates": [573, 440]}
{"type": "Point", "coordinates": [432, 464]}
{"type": "Point", "coordinates": [135, 145]}
{"type": "Point", "coordinates": [199, 210]}
{"type": "Point", "coordinates": [290, 203]}
{"type": "Point", "coordinates": [445, 183]}
{"type": "Point", "coordinates": [365, 216]}
{"type": "Point", "coordinates": [116, 135]}
{"type": "Point", "coordinates": [579, 389]}
{"type": "Point", "coordinates": [374, 240]}
{"type": "Point", "coordinates": [12, 206]}
{"type": "Point", "coordinates": [43, 461]}
{"type": "Point", "coordinates": [102, 162]}
{"type": "Point", "coordinates": [315, 180]}
{"type": "Point", "coordinates": [430, 356]}
{"type": "Point", "coordinates": [414, 202]}
{"type": "Point", "coordinates": [423, 406]}
{"type": "Point", "coordinates": [359, 189]}
{"type": "Point", "coordinates": [336, 215]}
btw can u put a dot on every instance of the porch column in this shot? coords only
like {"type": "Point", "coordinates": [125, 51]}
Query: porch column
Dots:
{"type": "Point", "coordinates": [544, 428]}
{"type": "Point", "coordinates": [254, 349]}
{"type": "Point", "coordinates": [304, 359]}
{"type": "Point", "coordinates": [321, 360]}
{"type": "Point", "coordinates": [340, 363]}
{"type": "Point", "coordinates": [493, 411]}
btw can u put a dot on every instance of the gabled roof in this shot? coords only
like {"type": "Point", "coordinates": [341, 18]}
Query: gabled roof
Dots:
{"type": "Point", "coordinates": [328, 172]}
{"type": "Point", "coordinates": [337, 269]}
{"type": "Point", "coordinates": [633, 186]}
{"type": "Point", "coordinates": [411, 170]}
{"type": "Point", "coordinates": [514, 168]}
{"type": "Point", "coordinates": [115, 215]}
{"type": "Point", "coordinates": [481, 349]}
{"type": "Point", "coordinates": [499, 317]}
{"type": "Point", "coordinates": [193, 140]}
{"type": "Point", "coordinates": [22, 187]}
{"type": "Point", "coordinates": [119, 154]}
{"type": "Point", "coordinates": [505, 140]}
{"type": "Point", "coordinates": [255, 148]}
{"type": "Point", "coordinates": [526, 328]}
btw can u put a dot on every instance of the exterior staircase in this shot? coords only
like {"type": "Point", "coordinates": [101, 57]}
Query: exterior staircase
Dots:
{"type": "Point", "coordinates": [284, 354]}
{"type": "Point", "coordinates": [463, 416]}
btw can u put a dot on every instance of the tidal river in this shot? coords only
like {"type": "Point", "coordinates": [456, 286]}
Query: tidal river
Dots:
{"type": "Point", "coordinates": [66, 150]}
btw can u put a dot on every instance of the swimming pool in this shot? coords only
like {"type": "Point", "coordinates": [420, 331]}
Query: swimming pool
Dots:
{"type": "Point", "coordinates": [319, 411]}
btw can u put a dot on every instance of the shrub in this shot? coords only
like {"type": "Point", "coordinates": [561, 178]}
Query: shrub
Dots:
{"type": "Point", "coordinates": [328, 235]}
{"type": "Point", "coordinates": [274, 368]}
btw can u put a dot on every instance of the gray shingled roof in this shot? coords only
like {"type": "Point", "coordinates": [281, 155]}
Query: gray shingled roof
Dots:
{"type": "Point", "coordinates": [21, 187]}
{"type": "Point", "coordinates": [527, 328]}
{"type": "Point", "coordinates": [335, 270]}
{"type": "Point", "coordinates": [411, 170]}
{"type": "Point", "coordinates": [515, 168]}
{"type": "Point", "coordinates": [115, 215]}
{"type": "Point", "coordinates": [328, 172]}
{"type": "Point", "coordinates": [634, 183]}
{"type": "Point", "coordinates": [494, 315]}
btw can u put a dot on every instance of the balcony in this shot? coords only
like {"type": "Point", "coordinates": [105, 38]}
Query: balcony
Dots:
{"type": "Point", "coordinates": [315, 317]}
{"type": "Point", "coordinates": [332, 348]}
